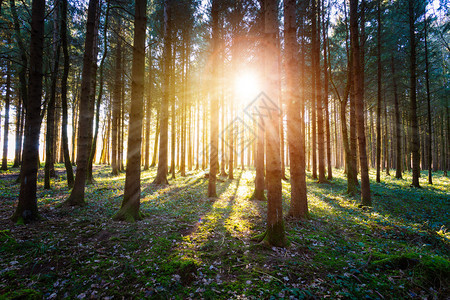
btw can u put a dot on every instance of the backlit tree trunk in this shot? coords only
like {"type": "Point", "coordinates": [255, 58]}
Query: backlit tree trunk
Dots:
{"type": "Point", "coordinates": [65, 140]}
{"type": "Point", "coordinates": [6, 124]}
{"type": "Point", "coordinates": [414, 138]}
{"type": "Point", "coordinates": [214, 103]}
{"type": "Point", "coordinates": [161, 175]}
{"type": "Point", "coordinates": [86, 112]}
{"type": "Point", "coordinates": [359, 101]}
{"type": "Point", "coordinates": [27, 209]}
{"type": "Point", "coordinates": [129, 210]}
{"type": "Point", "coordinates": [274, 235]}
{"type": "Point", "coordinates": [299, 204]}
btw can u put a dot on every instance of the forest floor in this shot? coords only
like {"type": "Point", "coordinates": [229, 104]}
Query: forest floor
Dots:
{"type": "Point", "coordinates": [190, 246]}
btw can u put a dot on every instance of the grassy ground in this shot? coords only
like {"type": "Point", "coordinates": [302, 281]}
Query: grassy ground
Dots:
{"type": "Point", "coordinates": [190, 246]}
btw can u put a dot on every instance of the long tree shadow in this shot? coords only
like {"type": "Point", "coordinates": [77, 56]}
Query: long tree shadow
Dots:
{"type": "Point", "coordinates": [393, 210]}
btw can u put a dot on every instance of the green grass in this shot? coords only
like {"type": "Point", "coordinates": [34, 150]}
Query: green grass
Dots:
{"type": "Point", "coordinates": [193, 246]}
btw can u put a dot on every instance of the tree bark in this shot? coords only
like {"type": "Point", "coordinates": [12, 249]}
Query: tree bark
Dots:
{"type": "Point", "coordinates": [378, 162]}
{"type": "Point", "coordinates": [275, 235]}
{"type": "Point", "coordinates": [326, 91]}
{"type": "Point", "coordinates": [86, 112]}
{"type": "Point", "coordinates": [214, 103]}
{"type": "Point", "coordinates": [129, 210]}
{"type": "Point", "coordinates": [50, 136]}
{"type": "Point", "coordinates": [429, 133]}
{"type": "Point", "coordinates": [116, 107]}
{"type": "Point", "coordinates": [27, 209]}
{"type": "Point", "coordinates": [161, 175]}
{"type": "Point", "coordinates": [415, 143]}
{"type": "Point", "coordinates": [299, 203]}
{"type": "Point", "coordinates": [319, 104]}
{"type": "Point", "coordinates": [359, 101]}
{"type": "Point", "coordinates": [148, 112]}
{"type": "Point", "coordinates": [90, 178]}
{"type": "Point", "coordinates": [6, 122]}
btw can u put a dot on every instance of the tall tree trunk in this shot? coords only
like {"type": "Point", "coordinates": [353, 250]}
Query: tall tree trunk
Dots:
{"type": "Point", "coordinates": [173, 123]}
{"type": "Point", "coordinates": [359, 101]}
{"type": "Point", "coordinates": [116, 107]}
{"type": "Point", "coordinates": [148, 112]}
{"type": "Point", "coordinates": [161, 175]}
{"type": "Point", "coordinates": [398, 125]}
{"type": "Point", "coordinates": [129, 210]}
{"type": "Point", "coordinates": [326, 91]}
{"type": "Point", "coordinates": [319, 105]}
{"type": "Point", "coordinates": [378, 162]}
{"type": "Point", "coordinates": [90, 178]}
{"type": "Point", "coordinates": [6, 124]}
{"type": "Point", "coordinates": [27, 209]}
{"type": "Point", "coordinates": [86, 112]}
{"type": "Point", "coordinates": [299, 203]}
{"type": "Point", "coordinates": [313, 88]}
{"type": "Point", "coordinates": [18, 136]}
{"type": "Point", "coordinates": [50, 136]}
{"type": "Point", "coordinates": [415, 143]}
{"type": "Point", "coordinates": [386, 140]}
{"type": "Point", "coordinates": [214, 106]}
{"type": "Point", "coordinates": [429, 133]}
{"type": "Point", "coordinates": [275, 234]}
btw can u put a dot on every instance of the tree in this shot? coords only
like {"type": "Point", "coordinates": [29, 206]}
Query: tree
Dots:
{"type": "Point", "coordinates": [51, 107]}
{"type": "Point", "coordinates": [359, 104]}
{"type": "Point", "coordinates": [318, 87]}
{"type": "Point", "coordinates": [427, 82]}
{"type": "Point", "coordinates": [214, 103]}
{"type": "Point", "coordinates": [117, 94]}
{"type": "Point", "coordinates": [86, 113]}
{"type": "Point", "coordinates": [65, 141]}
{"type": "Point", "coordinates": [27, 209]}
{"type": "Point", "coordinates": [299, 204]}
{"type": "Point", "coordinates": [90, 178]}
{"type": "Point", "coordinates": [378, 163]}
{"type": "Point", "coordinates": [161, 175]}
{"type": "Point", "coordinates": [7, 103]}
{"type": "Point", "coordinates": [274, 234]}
{"type": "Point", "coordinates": [131, 197]}
{"type": "Point", "coordinates": [414, 139]}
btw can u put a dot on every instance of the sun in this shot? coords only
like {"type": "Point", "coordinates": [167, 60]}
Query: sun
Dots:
{"type": "Point", "coordinates": [246, 86]}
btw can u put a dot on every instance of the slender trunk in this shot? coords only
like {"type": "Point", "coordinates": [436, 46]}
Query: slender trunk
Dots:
{"type": "Point", "coordinates": [214, 107]}
{"type": "Point", "coordinates": [319, 105]}
{"type": "Point", "coordinates": [299, 203]}
{"type": "Point", "coordinates": [314, 88]}
{"type": "Point", "coordinates": [155, 145]}
{"type": "Point", "coordinates": [50, 136]}
{"type": "Point", "coordinates": [326, 91]}
{"type": "Point", "coordinates": [86, 112]}
{"type": "Point", "coordinates": [148, 112]}
{"type": "Point", "coordinates": [414, 138]}
{"type": "Point", "coordinates": [64, 138]}
{"type": "Point", "coordinates": [27, 209]}
{"type": "Point", "coordinates": [359, 101]}
{"type": "Point", "coordinates": [378, 162]}
{"type": "Point", "coordinates": [275, 234]}
{"type": "Point", "coordinates": [116, 108]}
{"type": "Point", "coordinates": [161, 176]}
{"type": "Point", "coordinates": [6, 122]}
{"type": "Point", "coordinates": [428, 135]}
{"type": "Point", "coordinates": [173, 114]}
{"type": "Point", "coordinates": [129, 210]}
{"type": "Point", "coordinates": [90, 178]}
